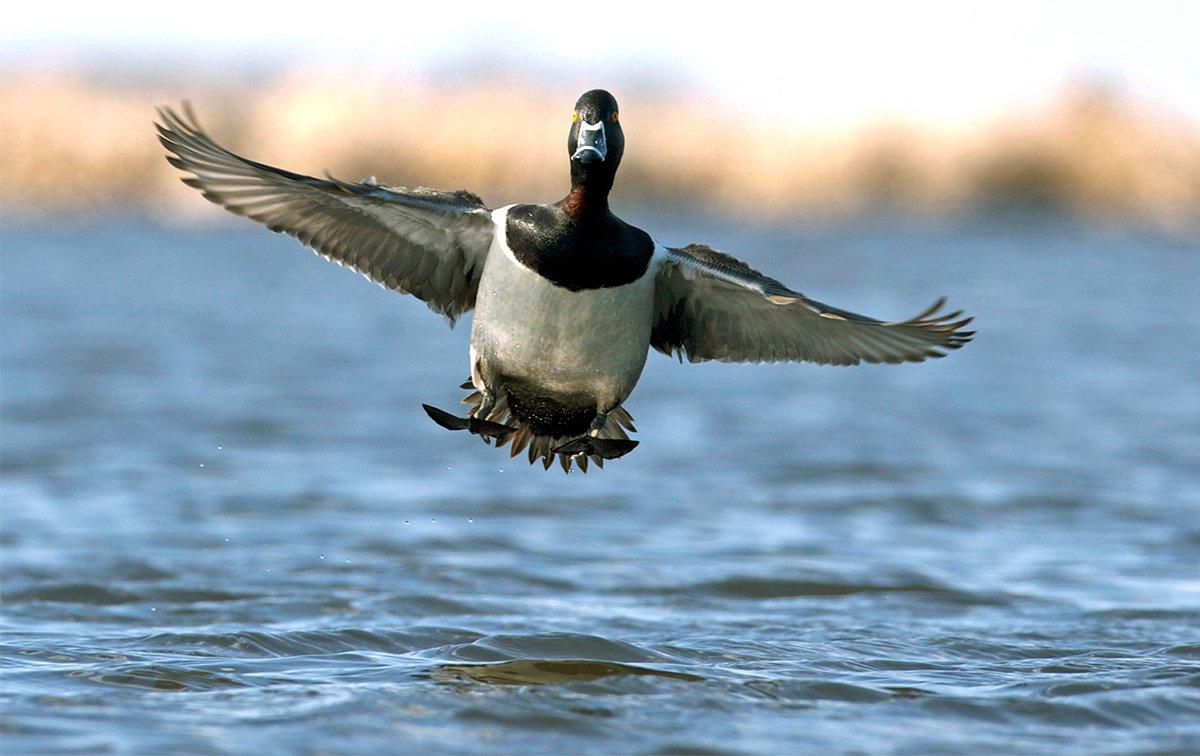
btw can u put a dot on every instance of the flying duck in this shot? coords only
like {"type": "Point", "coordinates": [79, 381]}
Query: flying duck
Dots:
{"type": "Point", "coordinates": [568, 297]}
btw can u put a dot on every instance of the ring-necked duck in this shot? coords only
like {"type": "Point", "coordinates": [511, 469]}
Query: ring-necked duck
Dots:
{"type": "Point", "coordinates": [568, 297]}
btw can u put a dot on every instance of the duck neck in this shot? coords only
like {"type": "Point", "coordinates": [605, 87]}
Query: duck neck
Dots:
{"type": "Point", "coordinates": [588, 197]}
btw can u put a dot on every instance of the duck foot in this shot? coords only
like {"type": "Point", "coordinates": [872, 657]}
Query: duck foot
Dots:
{"type": "Point", "coordinates": [485, 428]}
{"type": "Point", "coordinates": [604, 448]}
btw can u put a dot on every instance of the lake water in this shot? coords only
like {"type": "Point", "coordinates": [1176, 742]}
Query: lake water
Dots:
{"type": "Point", "coordinates": [228, 526]}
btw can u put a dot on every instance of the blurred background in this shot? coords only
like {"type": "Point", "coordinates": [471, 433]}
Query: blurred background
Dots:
{"type": "Point", "coordinates": [227, 525]}
{"type": "Point", "coordinates": [1088, 109]}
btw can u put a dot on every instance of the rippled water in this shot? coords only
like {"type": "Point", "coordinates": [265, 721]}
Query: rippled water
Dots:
{"type": "Point", "coordinates": [227, 524]}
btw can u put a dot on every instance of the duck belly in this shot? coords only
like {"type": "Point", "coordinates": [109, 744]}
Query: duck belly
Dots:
{"type": "Point", "coordinates": [582, 349]}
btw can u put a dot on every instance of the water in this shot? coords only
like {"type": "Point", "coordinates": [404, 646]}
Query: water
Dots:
{"type": "Point", "coordinates": [228, 526]}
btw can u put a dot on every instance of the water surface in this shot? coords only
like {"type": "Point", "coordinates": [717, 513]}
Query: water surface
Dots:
{"type": "Point", "coordinates": [228, 526]}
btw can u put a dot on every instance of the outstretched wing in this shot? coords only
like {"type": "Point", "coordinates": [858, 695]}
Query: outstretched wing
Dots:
{"type": "Point", "coordinates": [428, 243]}
{"type": "Point", "coordinates": [710, 306]}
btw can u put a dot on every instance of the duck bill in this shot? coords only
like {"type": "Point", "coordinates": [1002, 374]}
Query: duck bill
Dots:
{"type": "Point", "coordinates": [591, 146]}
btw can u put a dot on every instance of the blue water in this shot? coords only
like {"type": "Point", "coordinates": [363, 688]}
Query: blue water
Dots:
{"type": "Point", "coordinates": [227, 525]}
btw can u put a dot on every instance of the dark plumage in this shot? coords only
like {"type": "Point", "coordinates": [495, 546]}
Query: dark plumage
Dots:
{"type": "Point", "coordinates": [576, 253]}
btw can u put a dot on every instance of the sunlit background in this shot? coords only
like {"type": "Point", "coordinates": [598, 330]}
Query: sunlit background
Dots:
{"type": "Point", "coordinates": [1089, 108]}
{"type": "Point", "coordinates": [226, 525]}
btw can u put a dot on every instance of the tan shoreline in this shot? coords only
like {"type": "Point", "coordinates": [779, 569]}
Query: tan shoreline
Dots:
{"type": "Point", "coordinates": [71, 145]}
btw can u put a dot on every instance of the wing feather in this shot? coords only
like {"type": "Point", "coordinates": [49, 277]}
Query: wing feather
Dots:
{"type": "Point", "coordinates": [428, 243]}
{"type": "Point", "coordinates": [711, 306]}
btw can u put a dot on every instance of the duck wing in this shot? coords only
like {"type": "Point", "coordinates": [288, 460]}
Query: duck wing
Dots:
{"type": "Point", "coordinates": [428, 243]}
{"type": "Point", "coordinates": [711, 306]}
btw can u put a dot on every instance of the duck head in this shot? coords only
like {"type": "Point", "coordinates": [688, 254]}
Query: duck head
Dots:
{"type": "Point", "coordinates": [595, 142]}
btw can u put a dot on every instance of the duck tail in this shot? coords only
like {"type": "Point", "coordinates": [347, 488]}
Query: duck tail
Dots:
{"type": "Point", "coordinates": [541, 448]}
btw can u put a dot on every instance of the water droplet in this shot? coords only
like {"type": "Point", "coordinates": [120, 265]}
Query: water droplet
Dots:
{"type": "Point", "coordinates": [202, 464]}
{"type": "Point", "coordinates": [408, 522]}
{"type": "Point", "coordinates": [433, 519]}
{"type": "Point", "coordinates": [226, 540]}
{"type": "Point", "coordinates": [347, 560]}
{"type": "Point", "coordinates": [218, 447]}
{"type": "Point", "coordinates": [322, 556]}
{"type": "Point", "coordinates": [470, 520]}
{"type": "Point", "coordinates": [154, 608]}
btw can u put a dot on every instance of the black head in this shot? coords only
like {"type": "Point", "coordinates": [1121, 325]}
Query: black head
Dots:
{"type": "Point", "coordinates": [595, 142]}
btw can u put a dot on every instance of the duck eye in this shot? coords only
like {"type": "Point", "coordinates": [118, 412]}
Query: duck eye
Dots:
{"type": "Point", "coordinates": [614, 117]}
{"type": "Point", "coordinates": [574, 116]}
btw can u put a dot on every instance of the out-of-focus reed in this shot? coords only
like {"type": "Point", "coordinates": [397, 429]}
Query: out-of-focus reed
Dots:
{"type": "Point", "coordinates": [72, 144]}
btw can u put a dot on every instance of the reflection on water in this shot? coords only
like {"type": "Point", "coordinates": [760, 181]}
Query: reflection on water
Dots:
{"type": "Point", "coordinates": [227, 522]}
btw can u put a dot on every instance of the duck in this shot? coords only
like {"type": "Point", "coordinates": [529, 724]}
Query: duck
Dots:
{"type": "Point", "coordinates": [568, 299]}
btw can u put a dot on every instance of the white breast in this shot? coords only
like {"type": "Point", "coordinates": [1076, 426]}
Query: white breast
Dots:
{"type": "Point", "coordinates": [592, 341]}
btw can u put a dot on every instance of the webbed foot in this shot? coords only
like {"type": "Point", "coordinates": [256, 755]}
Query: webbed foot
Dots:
{"type": "Point", "coordinates": [604, 448]}
{"type": "Point", "coordinates": [485, 428]}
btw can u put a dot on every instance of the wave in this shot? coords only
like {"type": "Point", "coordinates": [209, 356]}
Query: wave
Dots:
{"type": "Point", "coordinates": [252, 643]}
{"type": "Point", "coordinates": [106, 595]}
{"type": "Point", "coordinates": [756, 587]}
{"type": "Point", "coordinates": [547, 672]}
{"type": "Point", "coordinates": [161, 677]}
